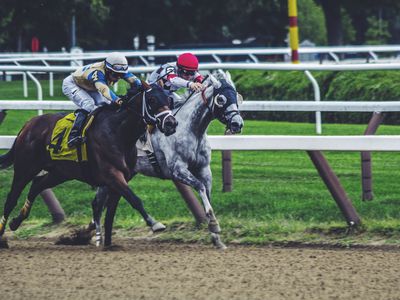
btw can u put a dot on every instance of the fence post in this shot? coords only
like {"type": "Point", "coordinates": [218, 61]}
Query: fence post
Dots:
{"type": "Point", "coordinates": [3, 115]}
{"type": "Point", "coordinates": [53, 205]}
{"type": "Point", "coordinates": [366, 165]}
{"type": "Point", "coordinates": [227, 169]}
{"type": "Point", "coordinates": [335, 188]}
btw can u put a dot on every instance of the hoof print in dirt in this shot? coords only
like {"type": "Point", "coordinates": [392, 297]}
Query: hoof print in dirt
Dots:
{"type": "Point", "coordinates": [76, 238]}
{"type": "Point", "coordinates": [113, 248]}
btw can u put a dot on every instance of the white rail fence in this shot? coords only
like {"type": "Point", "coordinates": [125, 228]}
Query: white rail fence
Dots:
{"type": "Point", "coordinates": [287, 142]}
{"type": "Point", "coordinates": [218, 55]}
{"type": "Point", "coordinates": [212, 66]}
{"type": "Point", "coordinates": [343, 143]}
{"type": "Point", "coordinates": [248, 105]}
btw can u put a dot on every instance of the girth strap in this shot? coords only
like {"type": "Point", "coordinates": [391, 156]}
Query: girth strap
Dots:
{"type": "Point", "coordinates": [154, 163]}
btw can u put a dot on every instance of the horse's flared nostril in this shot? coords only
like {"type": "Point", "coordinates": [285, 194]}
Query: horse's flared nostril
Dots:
{"type": "Point", "coordinates": [236, 127]}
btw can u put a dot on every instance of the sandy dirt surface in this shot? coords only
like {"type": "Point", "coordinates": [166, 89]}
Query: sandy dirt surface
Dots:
{"type": "Point", "coordinates": [38, 269]}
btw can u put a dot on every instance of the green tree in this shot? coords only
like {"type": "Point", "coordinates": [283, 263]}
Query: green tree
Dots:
{"type": "Point", "coordinates": [377, 32]}
{"type": "Point", "coordinates": [49, 20]}
{"type": "Point", "coordinates": [311, 22]}
{"type": "Point", "coordinates": [359, 11]}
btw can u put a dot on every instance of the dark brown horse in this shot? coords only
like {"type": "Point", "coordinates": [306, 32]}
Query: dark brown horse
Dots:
{"type": "Point", "coordinates": [111, 151]}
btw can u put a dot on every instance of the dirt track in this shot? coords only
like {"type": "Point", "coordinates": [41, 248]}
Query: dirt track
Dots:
{"type": "Point", "coordinates": [151, 270]}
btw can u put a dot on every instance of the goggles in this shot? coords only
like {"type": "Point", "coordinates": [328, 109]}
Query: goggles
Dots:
{"type": "Point", "coordinates": [117, 67]}
{"type": "Point", "coordinates": [187, 72]}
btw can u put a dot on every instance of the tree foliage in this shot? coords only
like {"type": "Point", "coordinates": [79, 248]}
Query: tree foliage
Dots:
{"type": "Point", "coordinates": [110, 24]}
{"type": "Point", "coordinates": [311, 22]}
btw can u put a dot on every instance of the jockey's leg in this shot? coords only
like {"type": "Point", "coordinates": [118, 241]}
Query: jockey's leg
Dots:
{"type": "Point", "coordinates": [82, 99]}
{"type": "Point", "coordinates": [75, 137]}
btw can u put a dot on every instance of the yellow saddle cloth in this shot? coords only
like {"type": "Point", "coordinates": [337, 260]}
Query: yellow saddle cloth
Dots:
{"type": "Point", "coordinates": [58, 147]}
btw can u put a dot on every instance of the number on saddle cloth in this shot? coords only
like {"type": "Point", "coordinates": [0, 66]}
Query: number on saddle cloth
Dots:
{"type": "Point", "coordinates": [58, 147]}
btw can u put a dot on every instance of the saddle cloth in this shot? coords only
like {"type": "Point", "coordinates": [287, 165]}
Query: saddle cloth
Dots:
{"type": "Point", "coordinates": [58, 147]}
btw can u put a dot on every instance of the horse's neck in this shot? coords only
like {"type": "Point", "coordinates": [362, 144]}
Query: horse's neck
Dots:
{"type": "Point", "coordinates": [127, 125]}
{"type": "Point", "coordinates": [195, 115]}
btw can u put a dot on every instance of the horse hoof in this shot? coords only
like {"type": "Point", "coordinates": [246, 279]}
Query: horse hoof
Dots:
{"type": "Point", "coordinates": [216, 240]}
{"type": "Point", "coordinates": [214, 227]}
{"type": "Point", "coordinates": [14, 224]}
{"type": "Point", "coordinates": [158, 227]}
{"type": "Point", "coordinates": [3, 243]}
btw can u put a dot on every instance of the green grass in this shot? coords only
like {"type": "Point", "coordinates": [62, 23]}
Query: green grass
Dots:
{"type": "Point", "coordinates": [277, 196]}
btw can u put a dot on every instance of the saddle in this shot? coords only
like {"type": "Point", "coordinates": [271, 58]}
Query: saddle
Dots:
{"type": "Point", "coordinates": [58, 147]}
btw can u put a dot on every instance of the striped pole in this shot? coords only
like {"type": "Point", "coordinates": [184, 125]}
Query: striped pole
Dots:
{"type": "Point", "coordinates": [293, 31]}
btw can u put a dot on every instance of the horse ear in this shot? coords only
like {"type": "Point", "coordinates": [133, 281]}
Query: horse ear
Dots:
{"type": "Point", "coordinates": [216, 83]}
{"type": "Point", "coordinates": [228, 78]}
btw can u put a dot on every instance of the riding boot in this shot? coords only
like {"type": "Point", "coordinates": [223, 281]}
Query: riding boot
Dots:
{"type": "Point", "coordinates": [75, 136]}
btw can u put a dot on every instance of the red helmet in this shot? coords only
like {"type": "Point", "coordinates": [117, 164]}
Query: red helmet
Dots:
{"type": "Point", "coordinates": [188, 61]}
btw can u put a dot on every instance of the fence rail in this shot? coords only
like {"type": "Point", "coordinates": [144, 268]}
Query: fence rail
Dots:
{"type": "Point", "coordinates": [252, 54]}
{"type": "Point", "coordinates": [276, 142]}
{"type": "Point", "coordinates": [248, 105]}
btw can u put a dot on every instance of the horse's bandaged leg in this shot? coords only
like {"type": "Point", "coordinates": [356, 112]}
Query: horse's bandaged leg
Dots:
{"type": "Point", "coordinates": [3, 223]}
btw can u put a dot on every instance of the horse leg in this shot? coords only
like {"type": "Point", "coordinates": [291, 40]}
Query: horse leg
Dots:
{"type": "Point", "coordinates": [137, 204]}
{"type": "Point", "coordinates": [39, 184]}
{"type": "Point", "coordinates": [183, 175]}
{"type": "Point", "coordinates": [119, 186]}
{"type": "Point", "coordinates": [98, 204]}
{"type": "Point", "coordinates": [20, 180]}
{"type": "Point", "coordinates": [111, 205]}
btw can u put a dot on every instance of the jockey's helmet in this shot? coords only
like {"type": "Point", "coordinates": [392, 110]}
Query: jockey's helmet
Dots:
{"type": "Point", "coordinates": [187, 64]}
{"type": "Point", "coordinates": [117, 63]}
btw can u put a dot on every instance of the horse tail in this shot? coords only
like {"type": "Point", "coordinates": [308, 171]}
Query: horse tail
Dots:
{"type": "Point", "coordinates": [7, 159]}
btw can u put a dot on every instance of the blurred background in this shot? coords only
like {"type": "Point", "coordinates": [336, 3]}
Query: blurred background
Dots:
{"type": "Point", "coordinates": [54, 25]}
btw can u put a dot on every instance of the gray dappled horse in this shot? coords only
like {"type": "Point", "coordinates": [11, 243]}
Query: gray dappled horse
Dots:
{"type": "Point", "coordinates": [185, 156]}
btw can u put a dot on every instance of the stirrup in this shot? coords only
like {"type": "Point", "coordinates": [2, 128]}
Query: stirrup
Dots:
{"type": "Point", "coordinates": [75, 141]}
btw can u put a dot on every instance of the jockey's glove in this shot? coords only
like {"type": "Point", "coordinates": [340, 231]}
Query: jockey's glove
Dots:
{"type": "Point", "coordinates": [119, 101]}
{"type": "Point", "coordinates": [196, 86]}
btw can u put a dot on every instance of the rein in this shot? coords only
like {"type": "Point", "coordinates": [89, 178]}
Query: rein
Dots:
{"type": "Point", "coordinates": [191, 94]}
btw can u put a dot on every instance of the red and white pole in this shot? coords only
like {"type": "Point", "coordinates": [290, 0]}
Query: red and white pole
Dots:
{"type": "Point", "coordinates": [293, 31]}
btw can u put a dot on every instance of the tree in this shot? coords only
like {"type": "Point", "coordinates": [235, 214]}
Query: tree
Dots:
{"type": "Point", "coordinates": [377, 32]}
{"type": "Point", "coordinates": [311, 22]}
{"type": "Point", "coordinates": [358, 11]}
{"type": "Point", "coordinates": [49, 20]}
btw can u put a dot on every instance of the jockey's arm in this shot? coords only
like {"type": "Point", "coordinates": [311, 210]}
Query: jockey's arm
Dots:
{"type": "Point", "coordinates": [132, 80]}
{"type": "Point", "coordinates": [198, 77]}
{"type": "Point", "coordinates": [99, 80]}
{"type": "Point", "coordinates": [182, 83]}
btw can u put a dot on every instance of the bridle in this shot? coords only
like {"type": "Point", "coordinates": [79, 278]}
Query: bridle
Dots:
{"type": "Point", "coordinates": [217, 103]}
{"type": "Point", "coordinates": [147, 117]}
{"type": "Point", "coordinates": [227, 116]}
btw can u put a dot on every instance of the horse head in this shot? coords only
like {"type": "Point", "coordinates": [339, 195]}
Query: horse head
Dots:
{"type": "Point", "coordinates": [224, 103]}
{"type": "Point", "coordinates": [155, 108]}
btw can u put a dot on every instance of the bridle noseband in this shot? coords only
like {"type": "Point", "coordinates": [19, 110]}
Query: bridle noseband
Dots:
{"type": "Point", "coordinates": [146, 108]}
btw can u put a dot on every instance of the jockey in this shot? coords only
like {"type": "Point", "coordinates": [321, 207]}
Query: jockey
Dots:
{"type": "Point", "coordinates": [89, 87]}
{"type": "Point", "coordinates": [180, 74]}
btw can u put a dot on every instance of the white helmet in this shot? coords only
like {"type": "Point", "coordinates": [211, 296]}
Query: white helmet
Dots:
{"type": "Point", "coordinates": [117, 63]}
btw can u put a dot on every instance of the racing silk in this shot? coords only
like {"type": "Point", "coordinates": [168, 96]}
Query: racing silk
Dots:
{"type": "Point", "coordinates": [171, 82]}
{"type": "Point", "coordinates": [92, 78]}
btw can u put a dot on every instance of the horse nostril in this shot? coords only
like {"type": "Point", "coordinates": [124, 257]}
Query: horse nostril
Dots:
{"type": "Point", "coordinates": [235, 127]}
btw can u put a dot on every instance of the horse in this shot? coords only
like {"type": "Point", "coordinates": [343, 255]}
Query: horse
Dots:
{"type": "Point", "coordinates": [111, 153]}
{"type": "Point", "coordinates": [185, 156]}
